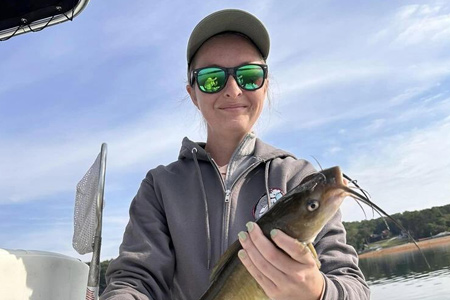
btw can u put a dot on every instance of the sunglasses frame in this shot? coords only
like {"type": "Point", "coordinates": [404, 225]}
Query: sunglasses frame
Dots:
{"type": "Point", "coordinates": [228, 72]}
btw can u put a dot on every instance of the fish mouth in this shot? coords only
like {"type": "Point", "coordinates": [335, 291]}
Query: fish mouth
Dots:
{"type": "Point", "coordinates": [333, 175]}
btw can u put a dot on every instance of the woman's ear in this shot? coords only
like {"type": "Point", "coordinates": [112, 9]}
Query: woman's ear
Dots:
{"type": "Point", "coordinates": [191, 92]}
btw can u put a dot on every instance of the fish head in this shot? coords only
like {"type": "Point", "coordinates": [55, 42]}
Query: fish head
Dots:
{"type": "Point", "coordinates": [317, 200]}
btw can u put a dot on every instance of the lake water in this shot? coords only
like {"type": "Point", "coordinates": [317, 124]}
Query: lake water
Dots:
{"type": "Point", "coordinates": [405, 276]}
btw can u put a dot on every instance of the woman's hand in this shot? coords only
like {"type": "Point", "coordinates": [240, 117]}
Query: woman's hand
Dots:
{"type": "Point", "coordinates": [292, 274]}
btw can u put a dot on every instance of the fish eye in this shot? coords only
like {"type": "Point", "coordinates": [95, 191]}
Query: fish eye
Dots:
{"type": "Point", "coordinates": [312, 205]}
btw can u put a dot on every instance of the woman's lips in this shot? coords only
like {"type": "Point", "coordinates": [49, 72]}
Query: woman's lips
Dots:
{"type": "Point", "coordinates": [233, 107]}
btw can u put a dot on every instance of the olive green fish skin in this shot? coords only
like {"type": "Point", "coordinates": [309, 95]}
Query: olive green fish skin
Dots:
{"type": "Point", "coordinates": [293, 215]}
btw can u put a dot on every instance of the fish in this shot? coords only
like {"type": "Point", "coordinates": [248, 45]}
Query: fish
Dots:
{"type": "Point", "coordinates": [300, 213]}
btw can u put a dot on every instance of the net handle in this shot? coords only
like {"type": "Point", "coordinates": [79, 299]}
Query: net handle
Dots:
{"type": "Point", "coordinates": [94, 267]}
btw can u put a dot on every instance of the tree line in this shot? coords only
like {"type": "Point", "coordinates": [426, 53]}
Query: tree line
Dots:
{"type": "Point", "coordinates": [420, 224]}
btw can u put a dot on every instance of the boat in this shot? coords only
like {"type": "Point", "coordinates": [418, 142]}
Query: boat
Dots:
{"type": "Point", "coordinates": [23, 16]}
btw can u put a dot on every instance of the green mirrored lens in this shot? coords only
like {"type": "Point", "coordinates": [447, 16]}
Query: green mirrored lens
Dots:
{"type": "Point", "coordinates": [211, 80]}
{"type": "Point", "coordinates": [250, 77]}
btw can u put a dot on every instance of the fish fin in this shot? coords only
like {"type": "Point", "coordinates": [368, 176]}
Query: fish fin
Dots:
{"type": "Point", "coordinates": [225, 259]}
{"type": "Point", "coordinates": [314, 254]}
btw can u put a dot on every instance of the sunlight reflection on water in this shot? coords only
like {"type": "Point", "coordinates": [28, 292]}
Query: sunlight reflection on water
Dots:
{"type": "Point", "coordinates": [406, 276]}
{"type": "Point", "coordinates": [429, 286]}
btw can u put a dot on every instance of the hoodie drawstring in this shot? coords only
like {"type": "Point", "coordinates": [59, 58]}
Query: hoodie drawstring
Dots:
{"type": "Point", "coordinates": [202, 185]}
{"type": "Point", "coordinates": [266, 179]}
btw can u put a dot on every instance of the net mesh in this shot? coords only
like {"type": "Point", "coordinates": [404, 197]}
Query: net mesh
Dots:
{"type": "Point", "coordinates": [85, 215]}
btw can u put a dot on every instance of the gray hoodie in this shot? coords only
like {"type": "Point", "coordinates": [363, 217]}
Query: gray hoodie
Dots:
{"type": "Point", "coordinates": [185, 215]}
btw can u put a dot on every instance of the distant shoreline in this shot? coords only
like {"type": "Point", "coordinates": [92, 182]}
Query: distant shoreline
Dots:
{"type": "Point", "coordinates": [428, 243]}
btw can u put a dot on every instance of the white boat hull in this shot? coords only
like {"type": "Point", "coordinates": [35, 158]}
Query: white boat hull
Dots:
{"type": "Point", "coordinates": [39, 275]}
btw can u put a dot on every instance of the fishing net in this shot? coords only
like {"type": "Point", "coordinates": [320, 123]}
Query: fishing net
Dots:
{"type": "Point", "coordinates": [85, 215]}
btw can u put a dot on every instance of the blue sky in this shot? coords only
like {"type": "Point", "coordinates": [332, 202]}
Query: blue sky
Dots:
{"type": "Point", "coordinates": [363, 85]}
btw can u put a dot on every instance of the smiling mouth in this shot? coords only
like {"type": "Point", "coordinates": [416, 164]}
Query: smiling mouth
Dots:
{"type": "Point", "coordinates": [234, 107]}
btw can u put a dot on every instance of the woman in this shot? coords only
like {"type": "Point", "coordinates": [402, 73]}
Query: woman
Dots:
{"type": "Point", "coordinates": [186, 214]}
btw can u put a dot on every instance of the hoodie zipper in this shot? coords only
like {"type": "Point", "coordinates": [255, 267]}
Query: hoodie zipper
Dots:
{"type": "Point", "coordinates": [227, 204]}
{"type": "Point", "coordinates": [227, 196]}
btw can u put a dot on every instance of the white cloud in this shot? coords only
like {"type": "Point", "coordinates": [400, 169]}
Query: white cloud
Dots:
{"type": "Point", "coordinates": [407, 95]}
{"type": "Point", "coordinates": [319, 74]}
{"type": "Point", "coordinates": [334, 150]}
{"type": "Point", "coordinates": [50, 166]}
{"type": "Point", "coordinates": [375, 125]}
{"type": "Point", "coordinates": [40, 240]}
{"type": "Point", "coordinates": [417, 25]}
{"type": "Point", "coordinates": [408, 171]}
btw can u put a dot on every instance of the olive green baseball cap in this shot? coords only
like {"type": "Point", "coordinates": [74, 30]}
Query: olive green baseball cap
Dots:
{"type": "Point", "coordinates": [229, 20]}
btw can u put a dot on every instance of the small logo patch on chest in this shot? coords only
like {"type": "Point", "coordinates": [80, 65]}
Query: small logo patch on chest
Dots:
{"type": "Point", "coordinates": [262, 206]}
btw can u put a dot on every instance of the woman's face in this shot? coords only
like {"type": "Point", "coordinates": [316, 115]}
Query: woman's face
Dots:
{"type": "Point", "coordinates": [232, 111]}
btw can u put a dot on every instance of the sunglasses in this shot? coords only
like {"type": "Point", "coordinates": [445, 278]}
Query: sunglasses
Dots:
{"type": "Point", "coordinates": [249, 77]}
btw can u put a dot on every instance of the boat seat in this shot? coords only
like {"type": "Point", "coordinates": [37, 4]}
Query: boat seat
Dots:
{"type": "Point", "coordinates": [40, 275]}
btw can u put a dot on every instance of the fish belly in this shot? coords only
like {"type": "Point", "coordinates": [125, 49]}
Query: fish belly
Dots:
{"type": "Point", "coordinates": [240, 285]}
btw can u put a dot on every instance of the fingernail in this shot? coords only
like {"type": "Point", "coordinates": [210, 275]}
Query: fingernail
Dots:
{"type": "Point", "coordinates": [303, 246]}
{"type": "Point", "coordinates": [273, 233]}
{"type": "Point", "coordinates": [242, 236]}
{"type": "Point", "coordinates": [242, 254]}
{"type": "Point", "coordinates": [307, 249]}
{"type": "Point", "coordinates": [249, 226]}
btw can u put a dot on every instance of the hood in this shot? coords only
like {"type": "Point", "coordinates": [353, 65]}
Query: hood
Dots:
{"type": "Point", "coordinates": [250, 145]}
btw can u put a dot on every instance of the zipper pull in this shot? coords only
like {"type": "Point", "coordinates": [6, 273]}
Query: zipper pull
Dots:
{"type": "Point", "coordinates": [227, 195]}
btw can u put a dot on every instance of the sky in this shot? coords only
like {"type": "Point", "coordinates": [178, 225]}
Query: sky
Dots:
{"type": "Point", "coordinates": [359, 84]}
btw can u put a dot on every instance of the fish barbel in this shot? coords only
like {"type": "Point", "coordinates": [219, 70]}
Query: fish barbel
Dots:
{"type": "Point", "coordinates": [301, 213]}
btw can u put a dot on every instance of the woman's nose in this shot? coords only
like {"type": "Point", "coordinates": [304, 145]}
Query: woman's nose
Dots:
{"type": "Point", "coordinates": [232, 89]}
